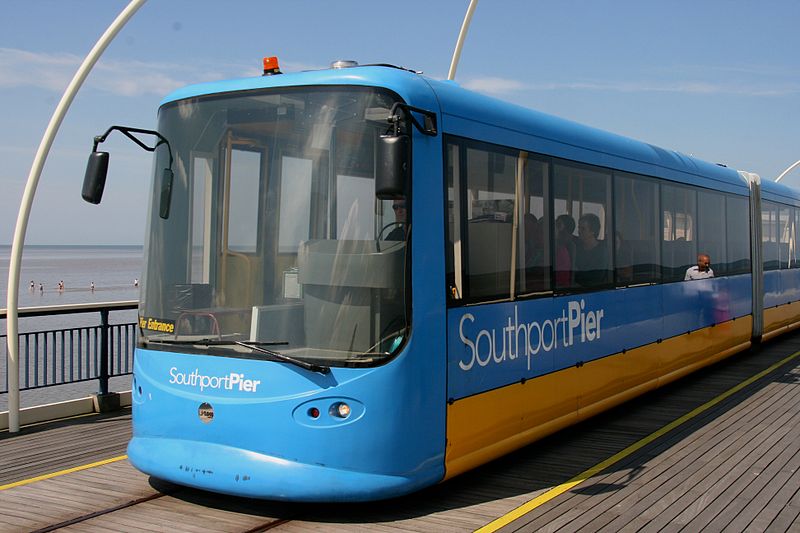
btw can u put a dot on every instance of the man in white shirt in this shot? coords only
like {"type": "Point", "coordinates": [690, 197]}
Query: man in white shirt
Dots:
{"type": "Point", "coordinates": [701, 270]}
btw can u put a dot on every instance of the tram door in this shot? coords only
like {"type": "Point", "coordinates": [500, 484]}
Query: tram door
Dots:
{"type": "Point", "coordinates": [245, 168]}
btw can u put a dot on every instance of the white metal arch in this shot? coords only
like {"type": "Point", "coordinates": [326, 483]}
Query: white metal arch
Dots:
{"type": "Point", "coordinates": [12, 321]}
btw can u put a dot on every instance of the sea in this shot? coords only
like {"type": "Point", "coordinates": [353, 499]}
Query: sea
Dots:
{"type": "Point", "coordinates": [113, 270]}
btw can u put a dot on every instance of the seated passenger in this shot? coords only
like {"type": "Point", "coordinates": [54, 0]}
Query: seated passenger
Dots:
{"type": "Point", "coordinates": [591, 261]}
{"type": "Point", "coordinates": [701, 270]}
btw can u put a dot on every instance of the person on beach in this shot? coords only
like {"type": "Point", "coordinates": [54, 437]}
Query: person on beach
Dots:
{"type": "Point", "coordinates": [41, 288]}
{"type": "Point", "coordinates": [136, 282]}
{"type": "Point", "coordinates": [92, 286]}
{"type": "Point", "coordinates": [32, 286]}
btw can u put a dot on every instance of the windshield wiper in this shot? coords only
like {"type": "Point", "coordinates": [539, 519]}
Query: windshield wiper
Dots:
{"type": "Point", "coordinates": [255, 346]}
{"type": "Point", "coordinates": [252, 345]}
{"type": "Point", "coordinates": [211, 342]}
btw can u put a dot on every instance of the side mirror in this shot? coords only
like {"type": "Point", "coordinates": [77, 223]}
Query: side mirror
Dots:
{"type": "Point", "coordinates": [166, 193]}
{"type": "Point", "coordinates": [95, 179]}
{"type": "Point", "coordinates": [392, 166]}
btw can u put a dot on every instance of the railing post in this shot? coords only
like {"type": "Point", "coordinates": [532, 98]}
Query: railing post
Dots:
{"type": "Point", "coordinates": [104, 353]}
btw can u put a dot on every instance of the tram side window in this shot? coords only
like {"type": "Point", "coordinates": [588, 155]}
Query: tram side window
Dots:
{"type": "Point", "coordinates": [770, 231]}
{"type": "Point", "coordinates": [711, 229]}
{"type": "Point", "coordinates": [678, 239]}
{"type": "Point", "coordinates": [737, 211]}
{"type": "Point", "coordinates": [582, 201]}
{"type": "Point", "coordinates": [786, 237]}
{"type": "Point", "coordinates": [243, 201]}
{"type": "Point", "coordinates": [794, 253]}
{"type": "Point", "coordinates": [453, 235]}
{"type": "Point", "coordinates": [490, 208]}
{"type": "Point", "coordinates": [636, 241]}
{"type": "Point", "coordinates": [533, 255]}
{"type": "Point", "coordinates": [202, 183]}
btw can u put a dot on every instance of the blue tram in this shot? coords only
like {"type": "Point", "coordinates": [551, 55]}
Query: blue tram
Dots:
{"type": "Point", "coordinates": [361, 281]}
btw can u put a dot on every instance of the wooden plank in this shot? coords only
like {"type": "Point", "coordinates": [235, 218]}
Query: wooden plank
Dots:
{"type": "Point", "coordinates": [572, 502]}
{"type": "Point", "coordinates": [649, 481]}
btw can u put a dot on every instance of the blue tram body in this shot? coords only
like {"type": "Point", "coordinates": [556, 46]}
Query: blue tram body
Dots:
{"type": "Point", "coordinates": [288, 350]}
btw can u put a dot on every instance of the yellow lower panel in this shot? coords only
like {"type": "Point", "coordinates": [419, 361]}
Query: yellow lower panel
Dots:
{"type": "Point", "coordinates": [685, 353]}
{"type": "Point", "coordinates": [483, 427]}
{"type": "Point", "coordinates": [781, 316]}
{"type": "Point", "coordinates": [486, 426]}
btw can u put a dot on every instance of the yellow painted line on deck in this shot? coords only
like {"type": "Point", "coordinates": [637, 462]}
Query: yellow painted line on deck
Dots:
{"type": "Point", "coordinates": [583, 476]}
{"type": "Point", "coordinates": [62, 472]}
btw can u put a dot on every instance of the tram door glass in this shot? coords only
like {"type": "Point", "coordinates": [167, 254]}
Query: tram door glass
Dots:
{"type": "Point", "coordinates": [275, 233]}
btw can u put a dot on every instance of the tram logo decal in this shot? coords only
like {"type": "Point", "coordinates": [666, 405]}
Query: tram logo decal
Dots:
{"type": "Point", "coordinates": [233, 381]}
{"type": "Point", "coordinates": [575, 325]}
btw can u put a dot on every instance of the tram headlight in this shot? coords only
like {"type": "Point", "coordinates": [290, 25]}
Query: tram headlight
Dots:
{"type": "Point", "coordinates": [340, 410]}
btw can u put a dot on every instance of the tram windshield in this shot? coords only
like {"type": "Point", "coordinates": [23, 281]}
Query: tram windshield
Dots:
{"type": "Point", "coordinates": [275, 237]}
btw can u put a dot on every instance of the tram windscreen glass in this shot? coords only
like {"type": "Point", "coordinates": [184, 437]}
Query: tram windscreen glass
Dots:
{"type": "Point", "coordinates": [275, 234]}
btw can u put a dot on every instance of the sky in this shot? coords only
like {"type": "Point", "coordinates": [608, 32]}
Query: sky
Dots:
{"type": "Point", "coordinates": [716, 79]}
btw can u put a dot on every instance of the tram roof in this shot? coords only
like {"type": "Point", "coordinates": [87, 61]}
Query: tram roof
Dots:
{"type": "Point", "coordinates": [474, 115]}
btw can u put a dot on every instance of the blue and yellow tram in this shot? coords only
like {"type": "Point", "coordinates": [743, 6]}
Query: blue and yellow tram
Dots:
{"type": "Point", "coordinates": [361, 281]}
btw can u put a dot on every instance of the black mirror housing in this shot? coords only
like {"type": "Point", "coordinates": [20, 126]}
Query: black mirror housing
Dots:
{"type": "Point", "coordinates": [95, 179]}
{"type": "Point", "coordinates": [166, 193]}
{"type": "Point", "coordinates": [392, 166]}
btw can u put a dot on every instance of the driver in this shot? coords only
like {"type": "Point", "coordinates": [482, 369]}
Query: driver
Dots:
{"type": "Point", "coordinates": [400, 217]}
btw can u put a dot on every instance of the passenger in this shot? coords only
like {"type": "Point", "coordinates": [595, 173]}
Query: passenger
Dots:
{"type": "Point", "coordinates": [565, 250]}
{"type": "Point", "coordinates": [400, 216]}
{"type": "Point", "coordinates": [591, 261]}
{"type": "Point", "coordinates": [701, 270]}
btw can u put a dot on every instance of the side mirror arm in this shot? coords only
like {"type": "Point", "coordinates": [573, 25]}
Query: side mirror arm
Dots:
{"type": "Point", "coordinates": [97, 168]}
{"type": "Point", "coordinates": [128, 132]}
{"type": "Point", "coordinates": [429, 128]}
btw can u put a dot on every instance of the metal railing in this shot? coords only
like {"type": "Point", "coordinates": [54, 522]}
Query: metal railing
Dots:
{"type": "Point", "coordinates": [72, 354]}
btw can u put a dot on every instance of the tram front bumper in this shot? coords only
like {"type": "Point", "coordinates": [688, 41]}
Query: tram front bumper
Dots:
{"type": "Point", "coordinates": [230, 470]}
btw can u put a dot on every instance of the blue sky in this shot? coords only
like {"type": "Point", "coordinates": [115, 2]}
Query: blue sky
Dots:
{"type": "Point", "coordinates": [716, 79]}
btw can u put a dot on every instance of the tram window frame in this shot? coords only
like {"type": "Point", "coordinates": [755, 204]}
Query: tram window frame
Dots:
{"type": "Point", "coordinates": [633, 272]}
{"type": "Point", "coordinates": [456, 161]}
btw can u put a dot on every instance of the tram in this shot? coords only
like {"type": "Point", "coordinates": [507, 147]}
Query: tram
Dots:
{"type": "Point", "coordinates": [361, 281]}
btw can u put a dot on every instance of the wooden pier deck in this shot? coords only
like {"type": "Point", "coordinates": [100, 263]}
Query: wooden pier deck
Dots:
{"type": "Point", "coordinates": [716, 451]}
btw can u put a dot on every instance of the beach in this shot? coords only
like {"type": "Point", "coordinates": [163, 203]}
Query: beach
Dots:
{"type": "Point", "coordinates": [113, 270]}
